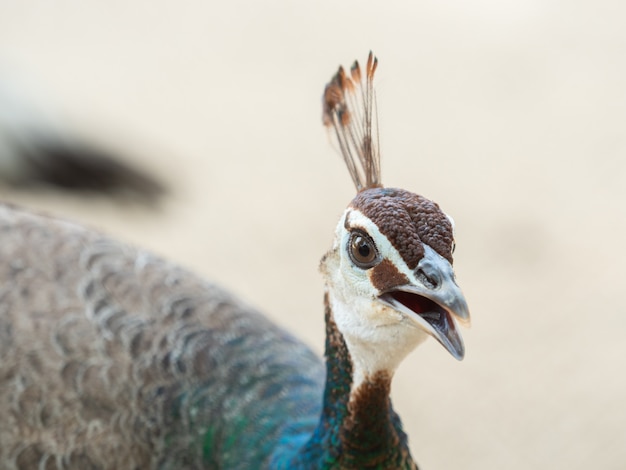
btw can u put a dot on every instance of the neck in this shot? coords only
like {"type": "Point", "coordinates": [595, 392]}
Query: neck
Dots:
{"type": "Point", "coordinates": [358, 427]}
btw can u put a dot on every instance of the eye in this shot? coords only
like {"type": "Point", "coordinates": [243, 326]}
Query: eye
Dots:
{"type": "Point", "coordinates": [362, 250]}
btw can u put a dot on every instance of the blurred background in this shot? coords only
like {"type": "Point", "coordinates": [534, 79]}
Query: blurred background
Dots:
{"type": "Point", "coordinates": [510, 114]}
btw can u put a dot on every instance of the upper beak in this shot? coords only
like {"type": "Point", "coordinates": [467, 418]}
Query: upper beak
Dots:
{"type": "Point", "coordinates": [434, 301]}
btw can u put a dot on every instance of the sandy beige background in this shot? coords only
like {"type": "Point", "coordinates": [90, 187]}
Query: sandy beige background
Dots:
{"type": "Point", "coordinates": [510, 114]}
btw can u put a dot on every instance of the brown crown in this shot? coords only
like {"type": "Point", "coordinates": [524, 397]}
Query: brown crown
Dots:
{"type": "Point", "coordinates": [407, 220]}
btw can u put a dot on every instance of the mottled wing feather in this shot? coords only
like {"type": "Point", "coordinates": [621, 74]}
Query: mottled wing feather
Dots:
{"type": "Point", "coordinates": [113, 358]}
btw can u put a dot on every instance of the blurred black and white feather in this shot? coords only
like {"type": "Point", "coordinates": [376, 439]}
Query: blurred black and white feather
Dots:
{"type": "Point", "coordinates": [37, 150]}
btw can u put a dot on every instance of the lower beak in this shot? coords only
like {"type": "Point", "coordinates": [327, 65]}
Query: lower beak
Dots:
{"type": "Point", "coordinates": [434, 306]}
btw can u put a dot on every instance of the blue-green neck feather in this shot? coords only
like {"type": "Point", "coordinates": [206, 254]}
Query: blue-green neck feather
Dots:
{"type": "Point", "coordinates": [262, 401]}
{"type": "Point", "coordinates": [366, 433]}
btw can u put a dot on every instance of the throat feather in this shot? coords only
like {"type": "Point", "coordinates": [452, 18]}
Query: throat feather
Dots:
{"type": "Point", "coordinates": [371, 434]}
{"type": "Point", "coordinates": [369, 402]}
{"type": "Point", "coordinates": [358, 428]}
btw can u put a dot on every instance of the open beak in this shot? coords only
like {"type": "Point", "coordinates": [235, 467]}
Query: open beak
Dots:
{"type": "Point", "coordinates": [434, 302]}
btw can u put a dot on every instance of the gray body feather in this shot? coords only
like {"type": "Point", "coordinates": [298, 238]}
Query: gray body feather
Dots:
{"type": "Point", "coordinates": [112, 358]}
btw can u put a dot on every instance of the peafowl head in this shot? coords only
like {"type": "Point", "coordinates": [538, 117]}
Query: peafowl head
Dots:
{"type": "Point", "coordinates": [389, 274]}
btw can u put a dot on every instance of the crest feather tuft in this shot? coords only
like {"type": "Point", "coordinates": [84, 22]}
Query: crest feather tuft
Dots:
{"type": "Point", "coordinates": [349, 107]}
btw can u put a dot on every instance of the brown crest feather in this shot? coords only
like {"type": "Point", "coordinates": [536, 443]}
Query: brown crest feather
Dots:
{"type": "Point", "coordinates": [349, 108]}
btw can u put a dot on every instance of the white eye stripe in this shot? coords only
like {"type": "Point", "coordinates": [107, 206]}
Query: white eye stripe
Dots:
{"type": "Point", "coordinates": [451, 223]}
{"type": "Point", "coordinates": [384, 248]}
{"type": "Point", "coordinates": [453, 234]}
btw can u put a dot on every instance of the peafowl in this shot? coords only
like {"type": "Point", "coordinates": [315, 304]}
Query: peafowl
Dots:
{"type": "Point", "coordinates": [113, 358]}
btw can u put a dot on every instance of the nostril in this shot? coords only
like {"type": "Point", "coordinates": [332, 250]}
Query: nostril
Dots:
{"type": "Point", "coordinates": [432, 280]}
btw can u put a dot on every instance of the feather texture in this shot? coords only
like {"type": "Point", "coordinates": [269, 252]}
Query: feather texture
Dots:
{"type": "Point", "coordinates": [113, 358]}
{"type": "Point", "coordinates": [349, 107]}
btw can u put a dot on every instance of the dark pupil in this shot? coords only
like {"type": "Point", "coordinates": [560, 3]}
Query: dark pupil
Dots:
{"type": "Point", "coordinates": [363, 247]}
{"type": "Point", "coordinates": [362, 251]}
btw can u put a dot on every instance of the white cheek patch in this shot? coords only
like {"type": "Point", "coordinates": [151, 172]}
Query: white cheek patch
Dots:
{"type": "Point", "coordinates": [378, 337]}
